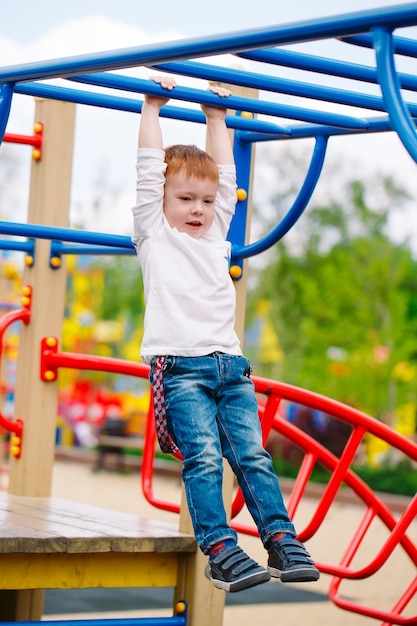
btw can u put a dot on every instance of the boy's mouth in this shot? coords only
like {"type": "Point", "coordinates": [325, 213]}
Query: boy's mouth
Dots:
{"type": "Point", "coordinates": [194, 224]}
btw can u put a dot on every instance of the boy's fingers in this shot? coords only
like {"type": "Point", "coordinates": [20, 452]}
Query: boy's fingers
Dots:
{"type": "Point", "coordinates": [220, 91]}
{"type": "Point", "coordinates": [165, 81]}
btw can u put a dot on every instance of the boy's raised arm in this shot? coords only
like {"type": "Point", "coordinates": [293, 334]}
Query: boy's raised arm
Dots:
{"type": "Point", "coordinates": [150, 135]}
{"type": "Point", "coordinates": [218, 136]}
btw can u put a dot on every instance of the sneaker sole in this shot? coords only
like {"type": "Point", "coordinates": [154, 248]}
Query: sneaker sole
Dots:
{"type": "Point", "coordinates": [301, 575]}
{"type": "Point", "coordinates": [243, 583]}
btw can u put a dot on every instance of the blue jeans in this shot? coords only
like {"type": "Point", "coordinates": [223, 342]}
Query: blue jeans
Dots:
{"type": "Point", "coordinates": [211, 412]}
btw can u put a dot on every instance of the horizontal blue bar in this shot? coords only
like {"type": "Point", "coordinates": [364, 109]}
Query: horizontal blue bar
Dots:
{"type": "Point", "coordinates": [18, 246]}
{"type": "Point", "coordinates": [58, 248]}
{"type": "Point", "coordinates": [179, 620]}
{"type": "Point", "coordinates": [188, 94]}
{"type": "Point", "coordinates": [402, 45]}
{"type": "Point", "coordinates": [64, 234]}
{"type": "Point", "coordinates": [135, 106]}
{"type": "Point", "coordinates": [305, 131]}
{"type": "Point", "coordinates": [323, 65]}
{"type": "Point", "coordinates": [279, 85]}
{"type": "Point", "coordinates": [308, 30]}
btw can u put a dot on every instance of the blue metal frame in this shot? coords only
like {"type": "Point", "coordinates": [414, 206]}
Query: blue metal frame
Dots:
{"type": "Point", "coordinates": [178, 619]}
{"type": "Point", "coordinates": [369, 29]}
{"type": "Point", "coordinates": [400, 117]}
{"type": "Point", "coordinates": [309, 30]}
{"type": "Point", "coordinates": [296, 210]}
{"type": "Point", "coordinates": [6, 95]}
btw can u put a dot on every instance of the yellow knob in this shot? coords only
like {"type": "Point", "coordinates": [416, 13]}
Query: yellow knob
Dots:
{"type": "Point", "coordinates": [241, 194]}
{"type": "Point", "coordinates": [235, 271]}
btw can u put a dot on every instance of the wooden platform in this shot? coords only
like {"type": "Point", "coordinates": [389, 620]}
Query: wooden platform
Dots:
{"type": "Point", "coordinates": [55, 543]}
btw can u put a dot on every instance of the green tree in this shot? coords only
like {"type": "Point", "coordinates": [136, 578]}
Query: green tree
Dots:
{"type": "Point", "coordinates": [343, 302]}
{"type": "Point", "coordinates": [123, 288]}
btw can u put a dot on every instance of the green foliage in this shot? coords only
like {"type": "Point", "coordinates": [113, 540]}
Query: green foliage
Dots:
{"type": "Point", "coordinates": [400, 480]}
{"type": "Point", "coordinates": [384, 479]}
{"type": "Point", "coordinates": [123, 288]}
{"type": "Point", "coordinates": [343, 300]}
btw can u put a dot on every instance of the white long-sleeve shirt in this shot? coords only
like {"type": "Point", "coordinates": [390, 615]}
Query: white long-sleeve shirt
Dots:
{"type": "Point", "coordinates": [189, 295]}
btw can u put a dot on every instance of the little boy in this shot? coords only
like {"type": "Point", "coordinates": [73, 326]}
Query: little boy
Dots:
{"type": "Point", "coordinates": [204, 400]}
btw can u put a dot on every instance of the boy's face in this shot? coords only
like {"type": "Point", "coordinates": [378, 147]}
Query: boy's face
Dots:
{"type": "Point", "coordinates": [189, 204]}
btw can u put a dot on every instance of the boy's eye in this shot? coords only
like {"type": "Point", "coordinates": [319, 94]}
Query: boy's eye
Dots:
{"type": "Point", "coordinates": [208, 201]}
{"type": "Point", "coordinates": [185, 198]}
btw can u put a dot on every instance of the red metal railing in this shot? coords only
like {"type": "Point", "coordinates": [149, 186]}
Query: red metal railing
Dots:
{"type": "Point", "coordinates": [22, 315]}
{"type": "Point", "coordinates": [340, 473]}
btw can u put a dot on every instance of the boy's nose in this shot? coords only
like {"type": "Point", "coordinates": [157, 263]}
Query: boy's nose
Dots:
{"type": "Point", "coordinates": [197, 208]}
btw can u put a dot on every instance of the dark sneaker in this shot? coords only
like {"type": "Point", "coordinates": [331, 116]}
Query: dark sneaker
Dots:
{"type": "Point", "coordinates": [233, 570]}
{"type": "Point", "coordinates": [290, 561]}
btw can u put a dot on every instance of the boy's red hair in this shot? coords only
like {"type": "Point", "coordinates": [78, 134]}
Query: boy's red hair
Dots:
{"type": "Point", "coordinates": [195, 163]}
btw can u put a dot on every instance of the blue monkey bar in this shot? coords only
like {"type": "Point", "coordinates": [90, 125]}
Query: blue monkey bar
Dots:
{"type": "Point", "coordinates": [265, 49]}
{"type": "Point", "coordinates": [178, 619]}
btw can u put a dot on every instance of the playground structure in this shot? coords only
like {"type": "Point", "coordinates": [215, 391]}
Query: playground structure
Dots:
{"type": "Point", "coordinates": [48, 239]}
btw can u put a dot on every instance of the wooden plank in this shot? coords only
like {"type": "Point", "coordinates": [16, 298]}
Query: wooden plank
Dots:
{"type": "Point", "coordinates": [53, 525]}
{"type": "Point", "coordinates": [65, 571]}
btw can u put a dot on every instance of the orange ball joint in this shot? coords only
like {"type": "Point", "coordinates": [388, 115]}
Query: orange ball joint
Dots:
{"type": "Point", "coordinates": [15, 446]}
{"type": "Point", "coordinates": [26, 298]}
{"type": "Point", "coordinates": [55, 262]}
{"type": "Point", "coordinates": [235, 272]}
{"type": "Point", "coordinates": [16, 439]}
{"type": "Point", "coordinates": [48, 370]}
{"type": "Point", "coordinates": [241, 194]}
{"type": "Point", "coordinates": [37, 141]}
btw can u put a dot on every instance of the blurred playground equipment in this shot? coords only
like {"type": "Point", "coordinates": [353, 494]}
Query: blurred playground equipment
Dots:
{"type": "Point", "coordinates": [57, 545]}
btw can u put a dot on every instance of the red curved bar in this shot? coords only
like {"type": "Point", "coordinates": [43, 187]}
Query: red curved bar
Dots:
{"type": "Point", "coordinates": [52, 360]}
{"type": "Point", "coordinates": [339, 468]}
{"type": "Point", "coordinates": [11, 427]}
{"type": "Point", "coordinates": [22, 315]}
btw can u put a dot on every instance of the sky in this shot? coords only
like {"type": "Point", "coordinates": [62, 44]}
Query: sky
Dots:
{"type": "Point", "coordinates": [105, 141]}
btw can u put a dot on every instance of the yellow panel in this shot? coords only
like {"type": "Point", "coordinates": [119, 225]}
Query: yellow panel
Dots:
{"type": "Point", "coordinates": [108, 569]}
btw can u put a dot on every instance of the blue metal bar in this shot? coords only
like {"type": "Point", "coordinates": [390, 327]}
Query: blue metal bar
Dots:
{"type": "Point", "coordinates": [237, 230]}
{"type": "Point", "coordinates": [400, 117]}
{"type": "Point", "coordinates": [64, 234]}
{"type": "Point", "coordinates": [305, 131]}
{"type": "Point", "coordinates": [177, 620]}
{"type": "Point", "coordinates": [322, 65]}
{"type": "Point", "coordinates": [135, 106]}
{"type": "Point", "coordinates": [6, 94]}
{"type": "Point", "coordinates": [257, 130]}
{"type": "Point", "coordinates": [402, 45]}
{"type": "Point", "coordinates": [238, 103]}
{"type": "Point", "coordinates": [18, 246]}
{"type": "Point", "coordinates": [279, 85]}
{"type": "Point", "coordinates": [296, 210]}
{"type": "Point", "coordinates": [58, 248]}
{"type": "Point", "coordinates": [338, 26]}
